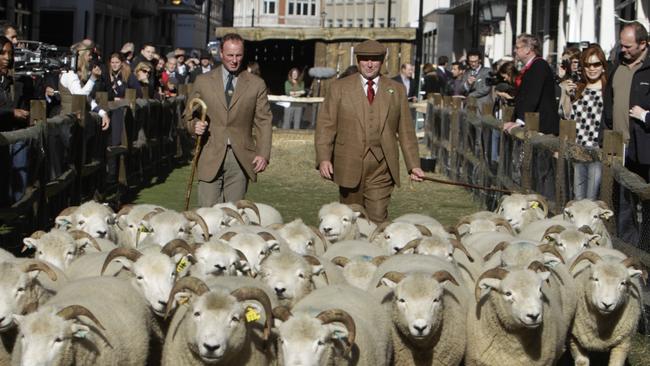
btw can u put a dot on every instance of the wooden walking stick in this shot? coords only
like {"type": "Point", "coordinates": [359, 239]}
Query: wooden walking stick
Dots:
{"type": "Point", "coordinates": [197, 149]}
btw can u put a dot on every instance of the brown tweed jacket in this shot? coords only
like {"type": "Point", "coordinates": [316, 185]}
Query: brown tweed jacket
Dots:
{"type": "Point", "coordinates": [340, 129]}
{"type": "Point", "coordinates": [249, 109]}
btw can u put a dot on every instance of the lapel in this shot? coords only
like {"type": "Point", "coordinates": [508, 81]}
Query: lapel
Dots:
{"type": "Point", "coordinates": [383, 98]}
{"type": "Point", "coordinates": [218, 80]}
{"type": "Point", "coordinates": [360, 97]}
{"type": "Point", "coordinates": [240, 88]}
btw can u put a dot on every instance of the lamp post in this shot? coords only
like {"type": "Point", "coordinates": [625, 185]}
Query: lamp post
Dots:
{"type": "Point", "coordinates": [207, 22]}
{"type": "Point", "coordinates": [323, 15]}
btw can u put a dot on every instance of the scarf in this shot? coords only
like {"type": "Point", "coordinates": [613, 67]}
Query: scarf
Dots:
{"type": "Point", "coordinates": [520, 77]}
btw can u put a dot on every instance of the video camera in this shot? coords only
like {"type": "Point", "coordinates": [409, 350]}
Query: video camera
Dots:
{"type": "Point", "coordinates": [38, 58]}
{"type": "Point", "coordinates": [494, 79]}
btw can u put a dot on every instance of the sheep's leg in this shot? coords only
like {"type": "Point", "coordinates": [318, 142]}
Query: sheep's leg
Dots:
{"type": "Point", "coordinates": [579, 354]}
{"type": "Point", "coordinates": [618, 354]}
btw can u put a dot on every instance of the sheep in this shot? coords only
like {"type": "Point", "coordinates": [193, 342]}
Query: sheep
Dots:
{"type": "Point", "coordinates": [21, 292]}
{"type": "Point", "coordinates": [58, 247]}
{"type": "Point", "coordinates": [160, 227]}
{"type": "Point", "coordinates": [127, 222]}
{"type": "Point", "coordinates": [393, 236]}
{"type": "Point", "coordinates": [6, 256]}
{"type": "Point", "coordinates": [482, 221]}
{"type": "Point", "coordinates": [216, 219]}
{"type": "Point", "coordinates": [92, 217]}
{"type": "Point", "coordinates": [95, 321]}
{"type": "Point", "coordinates": [428, 319]}
{"type": "Point", "coordinates": [334, 325]}
{"type": "Point", "coordinates": [535, 230]}
{"type": "Point", "coordinates": [217, 326]}
{"type": "Point", "coordinates": [483, 243]}
{"type": "Point", "coordinates": [434, 226]}
{"type": "Point", "coordinates": [254, 213]}
{"type": "Point", "coordinates": [338, 222]}
{"type": "Point", "coordinates": [522, 209]}
{"type": "Point", "coordinates": [609, 306]}
{"type": "Point", "coordinates": [358, 260]}
{"type": "Point", "coordinates": [301, 238]}
{"type": "Point", "coordinates": [570, 242]}
{"type": "Point", "coordinates": [592, 214]}
{"type": "Point", "coordinates": [511, 321]}
{"type": "Point", "coordinates": [215, 258]}
{"type": "Point", "coordinates": [254, 246]}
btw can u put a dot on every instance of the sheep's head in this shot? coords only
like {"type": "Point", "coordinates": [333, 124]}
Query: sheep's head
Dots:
{"type": "Point", "coordinates": [19, 289]}
{"type": "Point", "coordinates": [255, 247]}
{"type": "Point", "coordinates": [587, 212]}
{"type": "Point", "coordinates": [312, 341]}
{"type": "Point", "coordinates": [290, 275]}
{"type": "Point", "coordinates": [483, 221]}
{"type": "Point", "coordinates": [154, 273]}
{"type": "Point", "coordinates": [301, 238]}
{"type": "Point", "coordinates": [441, 247]}
{"type": "Point", "coordinates": [610, 279]}
{"type": "Point", "coordinates": [59, 247]}
{"type": "Point", "coordinates": [337, 221]}
{"type": "Point", "coordinates": [521, 253]}
{"type": "Point", "coordinates": [522, 209]}
{"type": "Point", "coordinates": [358, 270]}
{"type": "Point", "coordinates": [517, 297]}
{"type": "Point", "coordinates": [393, 236]}
{"type": "Point", "coordinates": [217, 258]}
{"type": "Point", "coordinates": [50, 332]}
{"type": "Point", "coordinates": [418, 301]}
{"type": "Point", "coordinates": [163, 227]}
{"type": "Point", "coordinates": [217, 219]}
{"type": "Point", "coordinates": [217, 321]}
{"type": "Point", "coordinates": [127, 222]}
{"type": "Point", "coordinates": [92, 217]}
{"type": "Point", "coordinates": [570, 242]}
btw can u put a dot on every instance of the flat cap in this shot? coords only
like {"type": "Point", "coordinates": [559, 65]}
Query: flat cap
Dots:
{"type": "Point", "coordinates": [370, 47]}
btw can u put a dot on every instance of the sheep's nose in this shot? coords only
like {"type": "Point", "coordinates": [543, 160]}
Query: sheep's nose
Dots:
{"type": "Point", "coordinates": [533, 317]}
{"type": "Point", "coordinates": [279, 290]}
{"type": "Point", "coordinates": [101, 234]}
{"type": "Point", "coordinates": [162, 303]}
{"type": "Point", "coordinates": [220, 267]}
{"type": "Point", "coordinates": [396, 249]}
{"type": "Point", "coordinates": [211, 348]}
{"type": "Point", "coordinates": [327, 230]}
{"type": "Point", "coordinates": [606, 305]}
{"type": "Point", "coordinates": [420, 329]}
{"type": "Point", "coordinates": [509, 221]}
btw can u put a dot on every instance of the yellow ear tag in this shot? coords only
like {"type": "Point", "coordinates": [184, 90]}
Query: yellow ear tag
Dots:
{"type": "Point", "coordinates": [143, 229]}
{"type": "Point", "coordinates": [534, 204]}
{"type": "Point", "coordinates": [252, 315]}
{"type": "Point", "coordinates": [184, 300]}
{"type": "Point", "coordinates": [182, 264]}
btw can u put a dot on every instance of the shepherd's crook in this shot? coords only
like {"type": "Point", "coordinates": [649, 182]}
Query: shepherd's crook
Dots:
{"type": "Point", "coordinates": [467, 185]}
{"type": "Point", "coordinates": [197, 148]}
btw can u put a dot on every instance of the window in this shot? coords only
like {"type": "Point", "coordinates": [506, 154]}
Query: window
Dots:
{"type": "Point", "coordinates": [381, 22]}
{"type": "Point", "coordinates": [349, 23]}
{"type": "Point", "coordinates": [270, 6]}
{"type": "Point", "coordinates": [302, 7]}
{"type": "Point", "coordinates": [339, 23]}
{"type": "Point", "coordinates": [329, 23]}
{"type": "Point", "coordinates": [393, 22]}
{"type": "Point", "coordinates": [360, 22]}
{"type": "Point", "coordinates": [370, 25]}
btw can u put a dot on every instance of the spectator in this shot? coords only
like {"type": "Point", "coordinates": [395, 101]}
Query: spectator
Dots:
{"type": "Point", "coordinates": [505, 87]}
{"type": "Point", "coordinates": [455, 84]}
{"type": "Point", "coordinates": [181, 68]}
{"type": "Point", "coordinates": [441, 70]}
{"type": "Point", "coordinates": [127, 52]}
{"type": "Point", "coordinates": [169, 78]}
{"type": "Point", "coordinates": [147, 55]}
{"type": "Point", "coordinates": [626, 96]}
{"type": "Point", "coordinates": [475, 80]}
{"type": "Point", "coordinates": [535, 87]}
{"type": "Point", "coordinates": [570, 65]}
{"type": "Point", "coordinates": [254, 68]}
{"type": "Point", "coordinates": [405, 77]}
{"type": "Point", "coordinates": [587, 110]}
{"type": "Point", "coordinates": [9, 31]}
{"type": "Point", "coordinates": [431, 83]}
{"type": "Point", "coordinates": [142, 72]}
{"type": "Point", "coordinates": [205, 66]}
{"type": "Point", "coordinates": [293, 87]}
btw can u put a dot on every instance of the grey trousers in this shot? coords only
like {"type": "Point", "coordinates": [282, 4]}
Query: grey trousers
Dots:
{"type": "Point", "coordinates": [229, 185]}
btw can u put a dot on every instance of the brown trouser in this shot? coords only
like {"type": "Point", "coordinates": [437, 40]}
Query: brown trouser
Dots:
{"type": "Point", "coordinates": [374, 189]}
{"type": "Point", "coordinates": [229, 185]}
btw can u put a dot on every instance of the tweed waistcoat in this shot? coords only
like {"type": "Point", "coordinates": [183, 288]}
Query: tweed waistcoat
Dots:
{"type": "Point", "coordinates": [372, 127]}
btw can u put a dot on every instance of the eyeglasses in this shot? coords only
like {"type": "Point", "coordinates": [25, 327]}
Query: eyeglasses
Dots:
{"type": "Point", "coordinates": [146, 71]}
{"type": "Point", "coordinates": [594, 64]}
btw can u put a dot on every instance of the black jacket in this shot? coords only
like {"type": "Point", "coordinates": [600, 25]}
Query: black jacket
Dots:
{"type": "Point", "coordinates": [411, 92]}
{"type": "Point", "coordinates": [639, 95]}
{"type": "Point", "coordinates": [537, 94]}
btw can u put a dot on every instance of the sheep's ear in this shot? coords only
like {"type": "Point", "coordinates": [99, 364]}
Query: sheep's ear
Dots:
{"type": "Point", "coordinates": [126, 263]}
{"type": "Point", "coordinates": [551, 261]}
{"type": "Point", "coordinates": [317, 269]}
{"type": "Point", "coordinates": [389, 283]}
{"type": "Point", "coordinates": [605, 214]}
{"type": "Point", "coordinates": [79, 330]}
{"type": "Point", "coordinates": [254, 312]}
{"type": "Point", "coordinates": [182, 297]}
{"type": "Point", "coordinates": [551, 238]}
{"type": "Point", "coordinates": [355, 216]}
{"type": "Point", "coordinates": [30, 243]}
{"type": "Point", "coordinates": [18, 318]}
{"type": "Point", "coordinates": [488, 284]}
{"type": "Point", "coordinates": [63, 221]}
{"type": "Point", "coordinates": [338, 332]}
{"type": "Point", "coordinates": [145, 227]}
{"type": "Point", "coordinates": [634, 273]}
{"type": "Point", "coordinates": [543, 275]}
{"type": "Point", "coordinates": [594, 239]}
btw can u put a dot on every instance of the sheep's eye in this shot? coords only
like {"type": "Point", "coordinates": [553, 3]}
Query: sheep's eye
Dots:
{"type": "Point", "coordinates": [139, 278]}
{"type": "Point", "coordinates": [234, 319]}
{"type": "Point", "coordinates": [262, 252]}
{"type": "Point", "coordinates": [131, 226]}
{"type": "Point", "coordinates": [180, 230]}
{"type": "Point", "coordinates": [559, 244]}
{"type": "Point", "coordinates": [387, 236]}
{"type": "Point", "coordinates": [523, 208]}
{"type": "Point", "coordinates": [69, 253]}
{"type": "Point", "coordinates": [345, 219]}
{"type": "Point", "coordinates": [624, 283]}
{"type": "Point", "coordinates": [321, 343]}
{"type": "Point", "coordinates": [401, 300]}
{"type": "Point", "coordinates": [20, 289]}
{"type": "Point", "coordinates": [81, 222]}
{"type": "Point", "coordinates": [437, 299]}
{"type": "Point", "coordinates": [197, 314]}
{"type": "Point", "coordinates": [40, 252]}
{"type": "Point", "coordinates": [300, 275]}
{"type": "Point", "coordinates": [173, 274]}
{"type": "Point", "coordinates": [310, 243]}
{"type": "Point", "coordinates": [58, 340]}
{"type": "Point", "coordinates": [594, 279]}
{"type": "Point", "coordinates": [508, 293]}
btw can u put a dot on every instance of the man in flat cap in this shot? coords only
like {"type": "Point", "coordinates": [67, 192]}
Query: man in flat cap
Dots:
{"type": "Point", "coordinates": [362, 119]}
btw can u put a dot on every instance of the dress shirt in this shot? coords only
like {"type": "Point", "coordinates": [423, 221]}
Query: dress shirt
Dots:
{"type": "Point", "coordinates": [364, 83]}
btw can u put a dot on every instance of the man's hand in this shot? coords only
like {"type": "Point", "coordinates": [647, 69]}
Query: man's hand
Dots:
{"type": "Point", "coordinates": [417, 174]}
{"type": "Point", "coordinates": [638, 113]}
{"type": "Point", "coordinates": [97, 71]}
{"type": "Point", "coordinates": [326, 169]}
{"type": "Point", "coordinates": [509, 126]}
{"type": "Point", "coordinates": [259, 164]}
{"type": "Point", "coordinates": [471, 80]}
{"type": "Point", "coordinates": [49, 91]}
{"type": "Point", "coordinates": [21, 114]}
{"type": "Point", "coordinates": [106, 122]}
{"type": "Point", "coordinates": [200, 127]}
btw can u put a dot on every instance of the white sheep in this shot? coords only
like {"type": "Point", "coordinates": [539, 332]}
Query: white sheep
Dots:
{"type": "Point", "coordinates": [434, 226]}
{"type": "Point", "coordinates": [393, 236]}
{"type": "Point", "coordinates": [217, 325]}
{"type": "Point", "coordinates": [609, 306]}
{"type": "Point", "coordinates": [338, 222]}
{"type": "Point", "coordinates": [522, 209]}
{"type": "Point", "coordinates": [334, 325]}
{"type": "Point", "coordinates": [58, 247]}
{"type": "Point", "coordinates": [593, 214]}
{"type": "Point", "coordinates": [511, 322]}
{"type": "Point", "coordinates": [254, 213]}
{"type": "Point", "coordinates": [127, 222]}
{"type": "Point", "coordinates": [217, 219]}
{"type": "Point", "coordinates": [92, 217]}
{"type": "Point", "coordinates": [160, 227]}
{"type": "Point", "coordinates": [358, 260]}
{"type": "Point", "coordinates": [96, 321]}
{"type": "Point", "coordinates": [215, 258]}
{"type": "Point", "coordinates": [570, 242]}
{"type": "Point", "coordinates": [482, 221]}
{"type": "Point", "coordinates": [301, 238]}
{"type": "Point", "coordinates": [254, 246]}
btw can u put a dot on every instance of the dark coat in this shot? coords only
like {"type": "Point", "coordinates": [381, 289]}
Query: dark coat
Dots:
{"type": "Point", "coordinates": [412, 86]}
{"type": "Point", "coordinates": [639, 95]}
{"type": "Point", "coordinates": [537, 94]}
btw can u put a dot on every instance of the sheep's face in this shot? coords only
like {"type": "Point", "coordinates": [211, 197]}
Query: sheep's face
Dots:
{"type": "Point", "coordinates": [418, 305]}
{"type": "Point", "coordinates": [214, 218]}
{"type": "Point", "coordinates": [216, 324]}
{"type": "Point", "coordinates": [154, 275]}
{"type": "Point", "coordinates": [56, 247]}
{"type": "Point", "coordinates": [572, 242]}
{"type": "Point", "coordinates": [587, 212]}
{"type": "Point", "coordinates": [336, 221]}
{"type": "Point", "coordinates": [127, 225]}
{"type": "Point", "coordinates": [438, 247]}
{"type": "Point", "coordinates": [167, 226]}
{"type": "Point", "coordinates": [520, 254]}
{"type": "Point", "coordinates": [520, 301]}
{"type": "Point", "coordinates": [254, 247]}
{"type": "Point", "coordinates": [216, 258]}
{"type": "Point", "coordinates": [94, 218]}
{"type": "Point", "coordinates": [609, 285]}
{"type": "Point", "coordinates": [305, 341]}
{"type": "Point", "coordinates": [397, 235]}
{"type": "Point", "coordinates": [16, 289]}
{"type": "Point", "coordinates": [46, 337]}
{"type": "Point", "coordinates": [519, 210]}
{"type": "Point", "coordinates": [299, 237]}
{"type": "Point", "coordinates": [289, 275]}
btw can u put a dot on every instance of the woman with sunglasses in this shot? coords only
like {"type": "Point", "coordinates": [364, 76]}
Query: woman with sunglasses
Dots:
{"type": "Point", "coordinates": [586, 110]}
{"type": "Point", "coordinates": [142, 72]}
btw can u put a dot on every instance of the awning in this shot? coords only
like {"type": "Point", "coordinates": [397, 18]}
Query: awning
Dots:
{"type": "Point", "coordinates": [325, 34]}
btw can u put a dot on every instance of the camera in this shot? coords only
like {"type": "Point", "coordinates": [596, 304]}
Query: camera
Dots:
{"type": "Point", "coordinates": [38, 58]}
{"type": "Point", "coordinates": [494, 79]}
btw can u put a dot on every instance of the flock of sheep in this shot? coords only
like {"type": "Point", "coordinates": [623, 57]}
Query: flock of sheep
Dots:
{"type": "Point", "coordinates": [235, 285]}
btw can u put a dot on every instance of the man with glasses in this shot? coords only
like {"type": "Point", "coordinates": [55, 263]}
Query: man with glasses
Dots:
{"type": "Point", "coordinates": [362, 119]}
{"type": "Point", "coordinates": [625, 96]}
{"type": "Point", "coordinates": [535, 86]}
{"type": "Point", "coordinates": [475, 80]}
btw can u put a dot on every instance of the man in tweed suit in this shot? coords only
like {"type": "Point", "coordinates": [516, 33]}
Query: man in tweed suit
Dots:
{"type": "Point", "coordinates": [360, 123]}
{"type": "Point", "coordinates": [237, 104]}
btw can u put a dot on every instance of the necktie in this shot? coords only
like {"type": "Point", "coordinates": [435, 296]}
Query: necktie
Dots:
{"type": "Point", "coordinates": [371, 91]}
{"type": "Point", "coordinates": [229, 89]}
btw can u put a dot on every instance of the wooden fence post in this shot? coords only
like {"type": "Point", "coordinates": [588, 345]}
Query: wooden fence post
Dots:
{"type": "Point", "coordinates": [437, 100]}
{"type": "Point", "coordinates": [532, 126]}
{"type": "Point", "coordinates": [102, 100]}
{"type": "Point", "coordinates": [611, 152]}
{"type": "Point", "coordinates": [567, 138]}
{"type": "Point", "coordinates": [37, 111]}
{"type": "Point", "coordinates": [454, 128]}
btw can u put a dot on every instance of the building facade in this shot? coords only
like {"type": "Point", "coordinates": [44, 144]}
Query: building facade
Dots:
{"type": "Point", "coordinates": [277, 13]}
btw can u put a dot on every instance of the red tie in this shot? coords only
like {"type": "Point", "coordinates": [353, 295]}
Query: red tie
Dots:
{"type": "Point", "coordinates": [371, 91]}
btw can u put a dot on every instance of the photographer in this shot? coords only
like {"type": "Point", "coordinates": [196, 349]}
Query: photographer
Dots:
{"type": "Point", "coordinates": [11, 117]}
{"type": "Point", "coordinates": [504, 86]}
{"type": "Point", "coordinates": [569, 76]}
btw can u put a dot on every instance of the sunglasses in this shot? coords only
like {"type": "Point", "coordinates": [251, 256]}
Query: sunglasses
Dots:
{"type": "Point", "coordinates": [146, 71]}
{"type": "Point", "coordinates": [594, 64]}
